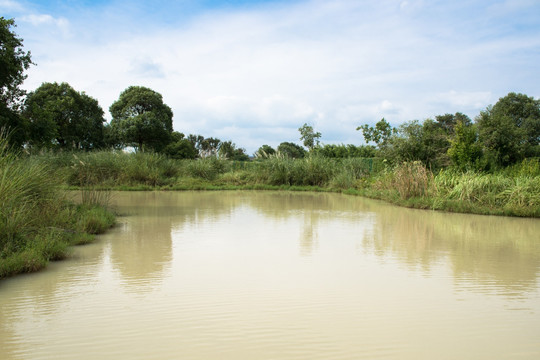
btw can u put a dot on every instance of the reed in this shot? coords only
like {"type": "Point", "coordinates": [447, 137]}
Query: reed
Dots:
{"type": "Point", "coordinates": [37, 223]}
{"type": "Point", "coordinates": [510, 191]}
{"type": "Point", "coordinates": [408, 180]}
{"type": "Point", "coordinates": [207, 168]}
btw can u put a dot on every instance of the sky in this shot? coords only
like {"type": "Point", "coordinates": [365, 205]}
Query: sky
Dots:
{"type": "Point", "coordinates": [254, 71]}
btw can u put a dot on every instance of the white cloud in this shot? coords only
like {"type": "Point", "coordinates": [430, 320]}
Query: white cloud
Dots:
{"type": "Point", "coordinates": [255, 76]}
{"type": "Point", "coordinates": [8, 5]}
{"type": "Point", "coordinates": [45, 19]}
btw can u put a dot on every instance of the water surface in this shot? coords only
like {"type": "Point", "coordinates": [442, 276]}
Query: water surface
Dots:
{"type": "Point", "coordinates": [265, 275]}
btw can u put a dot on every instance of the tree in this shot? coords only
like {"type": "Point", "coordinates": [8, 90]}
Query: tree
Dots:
{"type": "Point", "coordinates": [346, 151]}
{"type": "Point", "coordinates": [449, 121]}
{"type": "Point", "coordinates": [228, 150]}
{"type": "Point", "coordinates": [181, 149]}
{"type": "Point", "coordinates": [309, 137]}
{"type": "Point", "coordinates": [14, 61]}
{"type": "Point", "coordinates": [291, 150]}
{"type": "Point", "coordinates": [435, 143]}
{"type": "Point", "coordinates": [406, 143]}
{"type": "Point", "coordinates": [464, 149]}
{"type": "Point", "coordinates": [380, 134]}
{"type": "Point", "coordinates": [265, 151]}
{"type": "Point", "coordinates": [426, 142]}
{"type": "Point", "coordinates": [59, 116]}
{"type": "Point", "coordinates": [205, 146]}
{"type": "Point", "coordinates": [141, 119]}
{"type": "Point", "coordinates": [510, 130]}
{"type": "Point", "coordinates": [209, 146]}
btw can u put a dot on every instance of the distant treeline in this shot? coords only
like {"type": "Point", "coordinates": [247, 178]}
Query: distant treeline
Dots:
{"type": "Point", "coordinates": [58, 117]}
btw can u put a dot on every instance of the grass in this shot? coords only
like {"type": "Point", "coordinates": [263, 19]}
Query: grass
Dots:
{"type": "Point", "coordinates": [512, 191]}
{"type": "Point", "coordinates": [37, 223]}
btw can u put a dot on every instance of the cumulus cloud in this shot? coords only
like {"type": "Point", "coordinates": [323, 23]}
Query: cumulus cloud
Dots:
{"type": "Point", "coordinates": [8, 5]}
{"type": "Point", "coordinates": [255, 75]}
{"type": "Point", "coordinates": [39, 20]}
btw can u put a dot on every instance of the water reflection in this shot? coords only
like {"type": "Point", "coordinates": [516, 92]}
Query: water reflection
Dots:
{"type": "Point", "coordinates": [202, 274]}
{"type": "Point", "coordinates": [502, 251]}
{"type": "Point", "coordinates": [141, 248]}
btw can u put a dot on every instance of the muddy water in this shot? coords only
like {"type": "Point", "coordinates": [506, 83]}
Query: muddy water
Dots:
{"type": "Point", "coordinates": [261, 275]}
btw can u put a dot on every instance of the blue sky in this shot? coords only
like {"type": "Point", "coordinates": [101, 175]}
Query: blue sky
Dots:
{"type": "Point", "coordinates": [254, 71]}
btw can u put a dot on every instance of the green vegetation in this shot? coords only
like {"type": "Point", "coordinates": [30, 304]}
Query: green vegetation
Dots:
{"type": "Point", "coordinates": [57, 115]}
{"type": "Point", "coordinates": [37, 222]}
{"type": "Point", "coordinates": [513, 191]}
{"type": "Point", "coordinates": [309, 137]}
{"type": "Point", "coordinates": [13, 62]}
{"type": "Point", "coordinates": [489, 166]}
{"type": "Point", "coordinates": [141, 119]}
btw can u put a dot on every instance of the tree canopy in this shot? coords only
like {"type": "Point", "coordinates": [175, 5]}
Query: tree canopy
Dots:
{"type": "Point", "coordinates": [291, 150]}
{"type": "Point", "coordinates": [510, 130]}
{"type": "Point", "coordinates": [141, 119]}
{"type": "Point", "coordinates": [308, 136]}
{"type": "Point", "coordinates": [264, 152]}
{"type": "Point", "coordinates": [180, 148]}
{"type": "Point", "coordinates": [59, 116]}
{"type": "Point", "coordinates": [380, 134]}
{"type": "Point", "coordinates": [14, 61]}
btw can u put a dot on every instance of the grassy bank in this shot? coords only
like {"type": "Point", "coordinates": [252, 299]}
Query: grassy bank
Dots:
{"type": "Point", "coordinates": [513, 191]}
{"type": "Point", "coordinates": [37, 222]}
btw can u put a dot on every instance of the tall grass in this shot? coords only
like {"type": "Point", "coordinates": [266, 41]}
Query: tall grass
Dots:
{"type": "Point", "coordinates": [313, 170]}
{"type": "Point", "coordinates": [37, 223]}
{"type": "Point", "coordinates": [408, 180]}
{"type": "Point", "coordinates": [512, 195]}
{"type": "Point", "coordinates": [109, 168]}
{"type": "Point", "coordinates": [26, 197]}
{"type": "Point", "coordinates": [510, 191]}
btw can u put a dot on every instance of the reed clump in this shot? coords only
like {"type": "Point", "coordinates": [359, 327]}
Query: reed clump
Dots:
{"type": "Point", "coordinates": [498, 193]}
{"type": "Point", "coordinates": [510, 191]}
{"type": "Point", "coordinates": [37, 222]}
{"type": "Point", "coordinates": [408, 180]}
{"type": "Point", "coordinates": [110, 168]}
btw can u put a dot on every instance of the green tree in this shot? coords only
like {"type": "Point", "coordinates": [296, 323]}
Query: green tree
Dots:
{"type": "Point", "coordinates": [228, 150]}
{"type": "Point", "coordinates": [265, 151]}
{"type": "Point", "coordinates": [406, 143]}
{"type": "Point", "coordinates": [205, 146]}
{"type": "Point", "coordinates": [426, 142]}
{"type": "Point", "coordinates": [435, 143]}
{"type": "Point", "coordinates": [209, 146]}
{"type": "Point", "coordinates": [181, 149]}
{"type": "Point", "coordinates": [346, 151]}
{"type": "Point", "coordinates": [141, 119]}
{"type": "Point", "coordinates": [510, 130]}
{"type": "Point", "coordinates": [380, 134]}
{"type": "Point", "coordinates": [14, 61]}
{"type": "Point", "coordinates": [61, 117]}
{"type": "Point", "coordinates": [291, 150]}
{"type": "Point", "coordinates": [449, 121]}
{"type": "Point", "coordinates": [309, 137]}
{"type": "Point", "coordinates": [464, 150]}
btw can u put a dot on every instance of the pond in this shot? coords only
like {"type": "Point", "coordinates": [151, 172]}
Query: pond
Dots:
{"type": "Point", "coordinates": [281, 275]}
